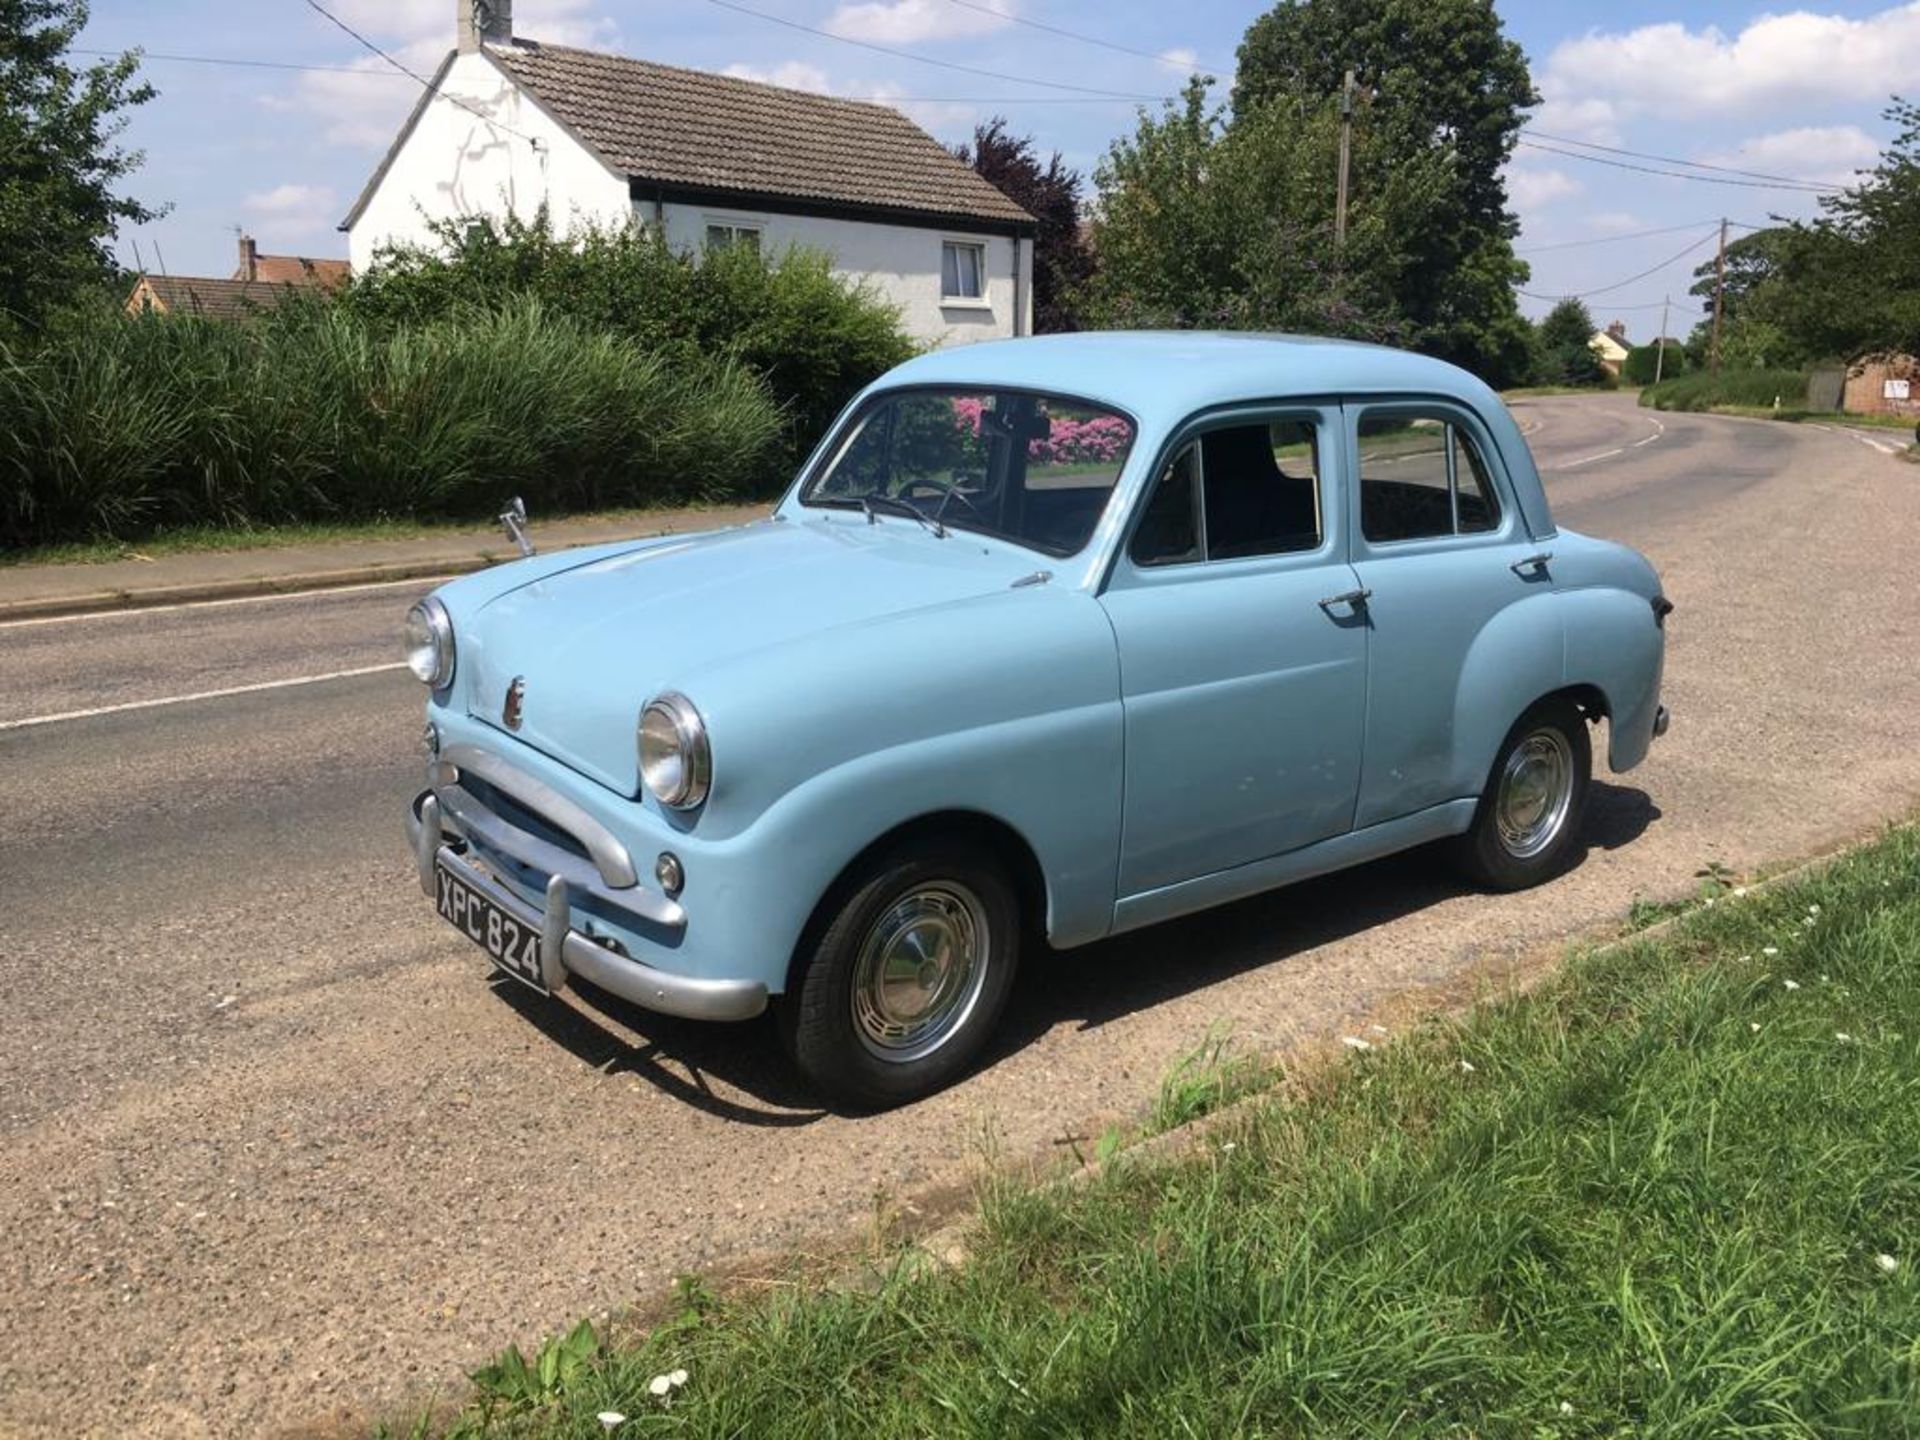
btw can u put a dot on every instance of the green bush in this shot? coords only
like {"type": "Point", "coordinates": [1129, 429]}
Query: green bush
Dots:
{"type": "Point", "coordinates": [1643, 362]}
{"type": "Point", "coordinates": [1703, 389]}
{"type": "Point", "coordinates": [814, 338]}
{"type": "Point", "coordinates": [120, 426]}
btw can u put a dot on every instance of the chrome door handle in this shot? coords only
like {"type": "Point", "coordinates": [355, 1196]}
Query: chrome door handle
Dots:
{"type": "Point", "coordinates": [1531, 562]}
{"type": "Point", "coordinates": [1355, 598]}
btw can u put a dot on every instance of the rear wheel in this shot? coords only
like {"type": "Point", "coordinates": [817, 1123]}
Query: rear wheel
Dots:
{"type": "Point", "coordinates": [1529, 817]}
{"type": "Point", "coordinates": [902, 981]}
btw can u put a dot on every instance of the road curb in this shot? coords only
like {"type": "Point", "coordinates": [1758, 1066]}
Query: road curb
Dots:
{"type": "Point", "coordinates": [95, 602]}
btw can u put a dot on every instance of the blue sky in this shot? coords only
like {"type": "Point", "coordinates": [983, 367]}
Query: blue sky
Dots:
{"type": "Point", "coordinates": [1792, 93]}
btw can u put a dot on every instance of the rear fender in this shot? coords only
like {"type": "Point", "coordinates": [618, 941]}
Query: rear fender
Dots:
{"type": "Point", "coordinates": [1519, 656]}
{"type": "Point", "coordinates": [1615, 645]}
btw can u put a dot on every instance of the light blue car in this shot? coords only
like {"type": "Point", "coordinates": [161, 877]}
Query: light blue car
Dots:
{"type": "Point", "coordinates": [1052, 639]}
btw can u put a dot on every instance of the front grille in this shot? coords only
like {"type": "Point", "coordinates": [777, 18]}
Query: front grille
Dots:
{"type": "Point", "coordinates": [518, 815]}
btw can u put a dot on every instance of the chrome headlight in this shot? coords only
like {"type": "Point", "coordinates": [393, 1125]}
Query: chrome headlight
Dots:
{"type": "Point", "coordinates": [430, 643]}
{"type": "Point", "coordinates": [675, 761]}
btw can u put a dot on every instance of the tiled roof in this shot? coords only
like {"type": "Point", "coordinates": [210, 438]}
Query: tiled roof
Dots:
{"type": "Point", "coordinates": [216, 299]}
{"type": "Point", "coordinates": [690, 128]}
{"type": "Point", "coordinates": [301, 270]}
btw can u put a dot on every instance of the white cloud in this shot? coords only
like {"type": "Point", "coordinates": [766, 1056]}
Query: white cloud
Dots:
{"type": "Point", "coordinates": [561, 22]}
{"type": "Point", "coordinates": [293, 216]}
{"type": "Point", "coordinates": [902, 22]}
{"type": "Point", "coordinates": [955, 118]}
{"type": "Point", "coordinates": [1812, 152]}
{"type": "Point", "coordinates": [792, 75]}
{"type": "Point", "coordinates": [1777, 60]}
{"type": "Point", "coordinates": [1614, 222]}
{"type": "Point", "coordinates": [1180, 57]}
{"type": "Point", "coordinates": [1529, 189]}
{"type": "Point", "coordinates": [289, 199]}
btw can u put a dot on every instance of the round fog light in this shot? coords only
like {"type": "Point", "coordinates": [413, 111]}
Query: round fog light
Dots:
{"type": "Point", "coordinates": [668, 872]}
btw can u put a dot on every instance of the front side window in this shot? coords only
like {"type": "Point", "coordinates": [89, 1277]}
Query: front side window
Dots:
{"type": "Point", "coordinates": [1034, 469]}
{"type": "Point", "coordinates": [721, 235]}
{"type": "Point", "coordinates": [1236, 492]}
{"type": "Point", "coordinates": [1421, 476]}
{"type": "Point", "coordinates": [963, 270]}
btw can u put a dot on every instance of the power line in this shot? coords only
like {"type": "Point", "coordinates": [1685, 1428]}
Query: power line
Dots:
{"type": "Point", "coordinates": [1631, 279]}
{"type": "Point", "coordinates": [1615, 239]}
{"type": "Point", "coordinates": [1675, 160]}
{"type": "Point", "coordinates": [1673, 174]}
{"type": "Point", "coordinates": [427, 85]}
{"type": "Point", "coordinates": [926, 59]}
{"type": "Point", "coordinates": [1076, 35]}
{"type": "Point", "coordinates": [248, 64]}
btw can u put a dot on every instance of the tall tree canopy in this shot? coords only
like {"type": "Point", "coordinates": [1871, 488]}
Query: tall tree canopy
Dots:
{"type": "Point", "coordinates": [1445, 83]}
{"type": "Point", "coordinates": [59, 168]}
{"type": "Point", "coordinates": [1564, 346]}
{"type": "Point", "coordinates": [1206, 223]}
{"type": "Point", "coordinates": [1051, 194]}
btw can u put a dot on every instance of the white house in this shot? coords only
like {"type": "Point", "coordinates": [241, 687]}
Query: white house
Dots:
{"type": "Point", "coordinates": [508, 125]}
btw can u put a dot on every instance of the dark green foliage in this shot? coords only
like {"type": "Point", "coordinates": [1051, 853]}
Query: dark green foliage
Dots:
{"type": "Point", "coordinates": [1643, 361]}
{"type": "Point", "coordinates": [1563, 347]}
{"type": "Point", "coordinates": [1210, 224]}
{"type": "Point", "coordinates": [813, 338]}
{"type": "Point", "coordinates": [1445, 84]}
{"type": "Point", "coordinates": [1062, 259]}
{"type": "Point", "coordinates": [120, 426]}
{"type": "Point", "coordinates": [1663, 1194]}
{"type": "Point", "coordinates": [59, 170]}
{"type": "Point", "coordinates": [1702, 390]}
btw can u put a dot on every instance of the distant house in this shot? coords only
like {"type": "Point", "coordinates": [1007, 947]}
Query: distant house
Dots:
{"type": "Point", "coordinates": [1611, 345]}
{"type": "Point", "coordinates": [509, 125]}
{"type": "Point", "coordinates": [259, 282]}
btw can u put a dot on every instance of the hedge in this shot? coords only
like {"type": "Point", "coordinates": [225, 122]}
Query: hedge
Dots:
{"type": "Point", "coordinates": [1703, 389]}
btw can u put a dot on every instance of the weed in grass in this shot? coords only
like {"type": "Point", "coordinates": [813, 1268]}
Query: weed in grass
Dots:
{"type": "Point", "coordinates": [1204, 1079]}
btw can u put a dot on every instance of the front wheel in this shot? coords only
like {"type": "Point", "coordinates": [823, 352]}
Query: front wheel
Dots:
{"type": "Point", "coordinates": [1529, 817]}
{"type": "Point", "coordinates": [899, 988]}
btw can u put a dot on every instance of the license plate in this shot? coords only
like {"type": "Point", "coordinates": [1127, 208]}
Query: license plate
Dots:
{"type": "Point", "coordinates": [513, 946]}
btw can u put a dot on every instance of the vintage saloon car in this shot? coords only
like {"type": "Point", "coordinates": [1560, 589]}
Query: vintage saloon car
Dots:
{"type": "Point", "coordinates": [1051, 639]}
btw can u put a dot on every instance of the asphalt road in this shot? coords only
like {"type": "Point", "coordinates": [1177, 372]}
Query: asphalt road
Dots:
{"type": "Point", "coordinates": [277, 1151]}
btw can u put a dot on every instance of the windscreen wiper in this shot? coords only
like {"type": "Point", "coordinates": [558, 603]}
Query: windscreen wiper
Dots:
{"type": "Point", "coordinates": [875, 502]}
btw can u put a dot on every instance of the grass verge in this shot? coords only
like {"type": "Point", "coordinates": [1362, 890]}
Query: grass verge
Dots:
{"type": "Point", "coordinates": [1675, 1190]}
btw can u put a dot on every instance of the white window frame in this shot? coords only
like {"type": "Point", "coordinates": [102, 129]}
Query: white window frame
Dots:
{"type": "Point", "coordinates": [982, 301]}
{"type": "Point", "coordinates": [735, 227]}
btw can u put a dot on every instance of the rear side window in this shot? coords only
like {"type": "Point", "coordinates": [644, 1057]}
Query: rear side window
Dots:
{"type": "Point", "coordinates": [1421, 477]}
{"type": "Point", "coordinates": [1235, 492]}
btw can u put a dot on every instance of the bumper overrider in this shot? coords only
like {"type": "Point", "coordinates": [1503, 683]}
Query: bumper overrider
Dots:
{"type": "Point", "coordinates": [452, 826]}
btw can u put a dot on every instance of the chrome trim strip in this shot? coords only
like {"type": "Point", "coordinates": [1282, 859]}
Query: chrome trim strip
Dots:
{"type": "Point", "coordinates": [690, 996]}
{"type": "Point", "coordinates": [1661, 720]}
{"type": "Point", "coordinates": [466, 815]}
{"type": "Point", "coordinates": [609, 855]}
{"type": "Point", "coordinates": [425, 832]}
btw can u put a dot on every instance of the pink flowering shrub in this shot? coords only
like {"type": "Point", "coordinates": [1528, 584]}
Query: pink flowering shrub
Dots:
{"type": "Point", "coordinates": [1096, 439]}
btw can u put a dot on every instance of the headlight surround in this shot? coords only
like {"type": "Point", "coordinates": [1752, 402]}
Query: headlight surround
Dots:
{"type": "Point", "coordinates": [676, 762]}
{"type": "Point", "coordinates": [429, 638]}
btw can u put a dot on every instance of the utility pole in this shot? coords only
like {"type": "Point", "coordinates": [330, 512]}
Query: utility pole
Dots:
{"type": "Point", "coordinates": [1346, 155]}
{"type": "Point", "coordinates": [1719, 288]}
{"type": "Point", "coordinates": [1660, 355]}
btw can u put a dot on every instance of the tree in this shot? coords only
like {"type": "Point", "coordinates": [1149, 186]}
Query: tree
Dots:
{"type": "Point", "coordinates": [59, 168]}
{"type": "Point", "coordinates": [1444, 83]}
{"type": "Point", "coordinates": [1205, 223]}
{"type": "Point", "coordinates": [1752, 261]}
{"type": "Point", "coordinates": [1062, 260]}
{"type": "Point", "coordinates": [1563, 344]}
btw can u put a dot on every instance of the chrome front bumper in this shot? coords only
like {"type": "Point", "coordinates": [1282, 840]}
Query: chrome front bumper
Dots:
{"type": "Point", "coordinates": [447, 823]}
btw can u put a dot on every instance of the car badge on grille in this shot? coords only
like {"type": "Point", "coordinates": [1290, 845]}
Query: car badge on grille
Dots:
{"type": "Point", "coordinates": [516, 693]}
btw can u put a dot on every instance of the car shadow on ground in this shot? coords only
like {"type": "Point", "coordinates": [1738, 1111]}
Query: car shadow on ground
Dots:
{"type": "Point", "coordinates": [738, 1072]}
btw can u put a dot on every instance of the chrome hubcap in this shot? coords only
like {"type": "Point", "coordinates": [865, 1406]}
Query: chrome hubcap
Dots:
{"type": "Point", "coordinates": [1536, 791]}
{"type": "Point", "coordinates": [920, 972]}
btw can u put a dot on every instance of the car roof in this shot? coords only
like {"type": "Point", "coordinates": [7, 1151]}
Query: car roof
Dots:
{"type": "Point", "coordinates": [1165, 375]}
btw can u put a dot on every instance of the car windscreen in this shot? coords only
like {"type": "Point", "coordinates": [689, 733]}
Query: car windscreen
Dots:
{"type": "Point", "coordinates": [1034, 469]}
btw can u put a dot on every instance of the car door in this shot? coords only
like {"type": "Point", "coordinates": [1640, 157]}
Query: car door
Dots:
{"type": "Point", "coordinates": [1242, 649]}
{"type": "Point", "coordinates": [1439, 545]}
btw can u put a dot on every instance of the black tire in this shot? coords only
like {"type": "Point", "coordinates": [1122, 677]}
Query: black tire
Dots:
{"type": "Point", "coordinates": [1513, 856]}
{"type": "Point", "coordinates": [901, 903]}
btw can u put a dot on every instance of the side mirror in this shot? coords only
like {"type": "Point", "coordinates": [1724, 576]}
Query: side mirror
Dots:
{"type": "Point", "coordinates": [514, 520]}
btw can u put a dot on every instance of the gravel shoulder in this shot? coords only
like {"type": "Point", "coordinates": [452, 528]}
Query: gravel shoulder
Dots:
{"type": "Point", "coordinates": [276, 1152]}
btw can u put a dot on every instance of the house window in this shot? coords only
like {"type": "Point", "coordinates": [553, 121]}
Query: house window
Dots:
{"type": "Point", "coordinates": [963, 270]}
{"type": "Point", "coordinates": [721, 234]}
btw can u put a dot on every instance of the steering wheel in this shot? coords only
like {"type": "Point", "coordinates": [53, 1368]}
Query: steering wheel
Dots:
{"type": "Point", "coordinates": [950, 490]}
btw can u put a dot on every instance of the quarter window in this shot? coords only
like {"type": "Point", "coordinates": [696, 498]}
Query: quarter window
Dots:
{"type": "Point", "coordinates": [963, 270]}
{"type": "Point", "coordinates": [1422, 476]}
{"type": "Point", "coordinates": [1236, 492]}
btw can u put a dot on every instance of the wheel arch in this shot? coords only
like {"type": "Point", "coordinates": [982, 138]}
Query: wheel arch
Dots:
{"type": "Point", "coordinates": [990, 832]}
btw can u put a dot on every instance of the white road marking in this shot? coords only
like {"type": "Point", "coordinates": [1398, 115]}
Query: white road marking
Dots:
{"type": "Point", "coordinates": [1589, 459]}
{"type": "Point", "coordinates": [200, 695]}
{"type": "Point", "coordinates": [1875, 443]}
{"type": "Point", "coordinates": [1658, 431]}
{"type": "Point", "coordinates": [420, 581]}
